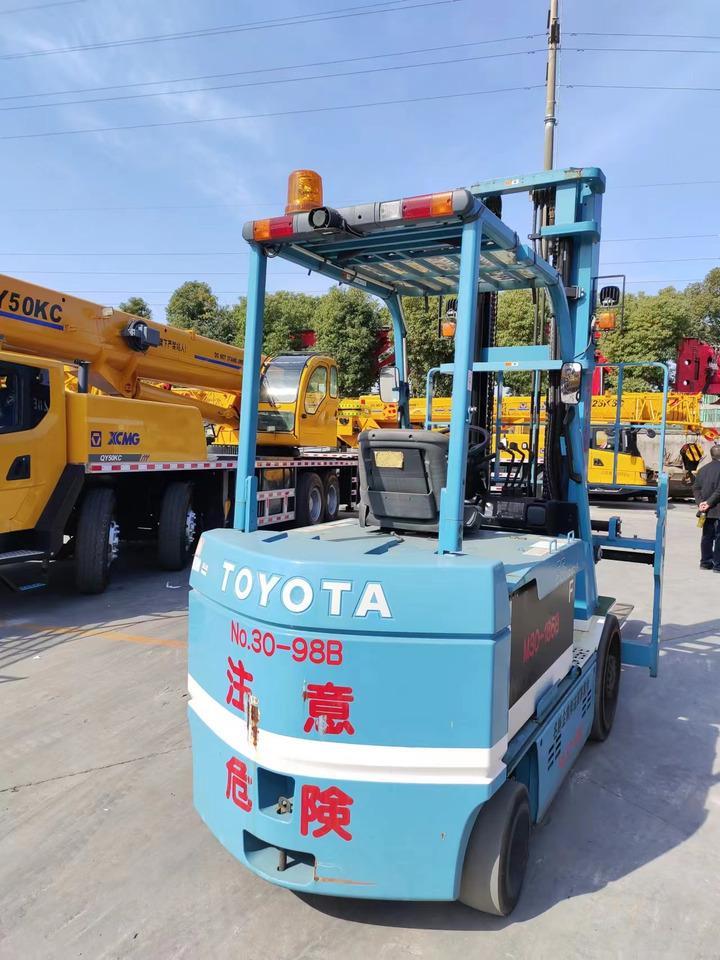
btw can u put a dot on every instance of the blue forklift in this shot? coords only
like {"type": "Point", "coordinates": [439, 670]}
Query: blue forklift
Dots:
{"type": "Point", "coordinates": [383, 705]}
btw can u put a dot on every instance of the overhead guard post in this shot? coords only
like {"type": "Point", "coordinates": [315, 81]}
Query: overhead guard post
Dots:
{"type": "Point", "coordinates": [400, 344]}
{"type": "Point", "coordinates": [452, 497]}
{"type": "Point", "coordinates": [246, 490]}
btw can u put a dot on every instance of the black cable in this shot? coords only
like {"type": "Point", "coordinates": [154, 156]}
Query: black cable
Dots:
{"type": "Point", "coordinates": [319, 17]}
{"type": "Point", "coordinates": [290, 66]}
{"type": "Point", "coordinates": [645, 36]}
{"type": "Point", "coordinates": [272, 114]}
{"type": "Point", "coordinates": [265, 83]}
{"type": "Point", "coordinates": [632, 50]}
{"type": "Point", "coordinates": [630, 86]}
{"type": "Point", "coordinates": [42, 6]}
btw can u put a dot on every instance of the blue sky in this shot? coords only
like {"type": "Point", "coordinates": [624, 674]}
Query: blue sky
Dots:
{"type": "Point", "coordinates": [138, 211]}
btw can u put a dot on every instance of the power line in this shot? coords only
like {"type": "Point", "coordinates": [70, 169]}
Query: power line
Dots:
{"type": "Point", "coordinates": [131, 253]}
{"type": "Point", "coordinates": [147, 273]}
{"type": "Point", "coordinates": [670, 183]}
{"type": "Point", "coordinates": [42, 6]}
{"type": "Point", "coordinates": [645, 36]}
{"type": "Point", "coordinates": [632, 50]}
{"type": "Point", "coordinates": [272, 114]}
{"type": "Point", "coordinates": [687, 236]}
{"type": "Point", "coordinates": [269, 203]}
{"type": "Point", "coordinates": [629, 86]}
{"type": "Point", "coordinates": [263, 83]}
{"type": "Point", "coordinates": [691, 280]}
{"type": "Point", "coordinates": [319, 17]}
{"type": "Point", "coordinates": [290, 66]}
{"type": "Point", "coordinates": [242, 251]}
{"type": "Point", "coordinates": [615, 263]}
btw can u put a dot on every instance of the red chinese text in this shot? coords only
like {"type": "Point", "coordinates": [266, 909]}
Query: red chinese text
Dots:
{"type": "Point", "coordinates": [238, 781]}
{"type": "Point", "coordinates": [329, 808]}
{"type": "Point", "coordinates": [328, 708]}
{"type": "Point", "coordinates": [238, 690]}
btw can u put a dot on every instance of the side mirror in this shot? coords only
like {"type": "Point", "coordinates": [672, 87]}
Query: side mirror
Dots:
{"type": "Point", "coordinates": [570, 382]}
{"type": "Point", "coordinates": [389, 385]}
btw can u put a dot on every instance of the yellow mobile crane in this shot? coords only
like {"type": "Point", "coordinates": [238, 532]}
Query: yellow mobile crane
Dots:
{"type": "Point", "coordinates": [368, 412]}
{"type": "Point", "coordinates": [126, 454]}
{"type": "Point", "coordinates": [686, 441]}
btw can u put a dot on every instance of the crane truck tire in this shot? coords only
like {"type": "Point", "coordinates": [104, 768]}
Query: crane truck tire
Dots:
{"type": "Point", "coordinates": [309, 500]}
{"type": "Point", "coordinates": [96, 540]}
{"type": "Point", "coordinates": [497, 852]}
{"type": "Point", "coordinates": [178, 528]}
{"type": "Point", "coordinates": [607, 679]}
{"type": "Point", "coordinates": [332, 497]}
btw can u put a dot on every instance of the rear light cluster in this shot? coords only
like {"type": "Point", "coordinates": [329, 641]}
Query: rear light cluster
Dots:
{"type": "Point", "coordinates": [273, 228]}
{"type": "Point", "coordinates": [429, 205]}
{"type": "Point", "coordinates": [418, 208]}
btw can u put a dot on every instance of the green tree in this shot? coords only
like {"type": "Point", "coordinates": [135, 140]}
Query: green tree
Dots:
{"type": "Point", "coordinates": [137, 307]}
{"type": "Point", "coordinates": [286, 315]}
{"type": "Point", "coordinates": [193, 306]}
{"type": "Point", "coordinates": [425, 348]}
{"type": "Point", "coordinates": [347, 324]}
{"type": "Point", "coordinates": [704, 303]}
{"type": "Point", "coordinates": [652, 327]}
{"type": "Point", "coordinates": [515, 328]}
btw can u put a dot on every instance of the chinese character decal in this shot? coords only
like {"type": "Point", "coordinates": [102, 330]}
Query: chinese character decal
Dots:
{"type": "Point", "coordinates": [328, 708]}
{"type": "Point", "coordinates": [330, 809]}
{"type": "Point", "coordinates": [238, 690]}
{"type": "Point", "coordinates": [238, 781]}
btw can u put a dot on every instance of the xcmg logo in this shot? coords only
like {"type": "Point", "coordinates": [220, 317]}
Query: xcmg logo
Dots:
{"type": "Point", "coordinates": [121, 438]}
{"type": "Point", "coordinates": [116, 438]}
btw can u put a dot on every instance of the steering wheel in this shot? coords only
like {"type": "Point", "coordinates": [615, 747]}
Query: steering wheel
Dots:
{"type": "Point", "coordinates": [481, 444]}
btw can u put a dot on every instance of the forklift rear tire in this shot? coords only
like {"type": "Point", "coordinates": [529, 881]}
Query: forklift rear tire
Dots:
{"type": "Point", "coordinates": [607, 679]}
{"type": "Point", "coordinates": [96, 540]}
{"type": "Point", "coordinates": [309, 500]}
{"type": "Point", "coordinates": [497, 852]}
{"type": "Point", "coordinates": [178, 527]}
{"type": "Point", "coordinates": [332, 497]}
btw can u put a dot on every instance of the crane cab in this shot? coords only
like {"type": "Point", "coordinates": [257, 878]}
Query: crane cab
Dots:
{"type": "Point", "coordinates": [298, 401]}
{"type": "Point", "coordinates": [33, 447]}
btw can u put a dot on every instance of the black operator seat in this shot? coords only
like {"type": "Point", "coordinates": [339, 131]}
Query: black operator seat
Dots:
{"type": "Point", "coordinates": [401, 475]}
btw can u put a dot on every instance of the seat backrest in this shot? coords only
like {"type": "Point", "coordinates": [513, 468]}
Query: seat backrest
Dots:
{"type": "Point", "coordinates": [401, 475]}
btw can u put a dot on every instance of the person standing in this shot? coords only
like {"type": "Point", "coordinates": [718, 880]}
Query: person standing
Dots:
{"type": "Point", "coordinates": [706, 490]}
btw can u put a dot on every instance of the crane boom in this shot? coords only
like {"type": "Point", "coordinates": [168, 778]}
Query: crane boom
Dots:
{"type": "Point", "coordinates": [121, 349]}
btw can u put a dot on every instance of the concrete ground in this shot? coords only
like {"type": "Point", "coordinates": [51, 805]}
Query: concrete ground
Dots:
{"type": "Point", "coordinates": [103, 856]}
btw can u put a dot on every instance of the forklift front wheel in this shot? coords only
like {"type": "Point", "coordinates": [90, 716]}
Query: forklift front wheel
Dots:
{"type": "Point", "coordinates": [497, 852]}
{"type": "Point", "coordinates": [607, 679]}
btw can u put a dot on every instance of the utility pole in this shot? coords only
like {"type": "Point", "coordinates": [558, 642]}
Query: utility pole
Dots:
{"type": "Point", "coordinates": [553, 28]}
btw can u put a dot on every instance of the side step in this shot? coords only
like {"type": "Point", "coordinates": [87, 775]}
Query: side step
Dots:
{"type": "Point", "coordinates": [21, 556]}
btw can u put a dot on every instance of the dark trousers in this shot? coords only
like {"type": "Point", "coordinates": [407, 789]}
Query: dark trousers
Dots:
{"type": "Point", "coordinates": [710, 543]}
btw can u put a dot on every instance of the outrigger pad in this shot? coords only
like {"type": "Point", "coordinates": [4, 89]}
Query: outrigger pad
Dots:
{"type": "Point", "coordinates": [401, 475]}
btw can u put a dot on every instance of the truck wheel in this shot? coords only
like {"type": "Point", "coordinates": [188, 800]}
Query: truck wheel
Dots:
{"type": "Point", "coordinates": [607, 679]}
{"type": "Point", "coordinates": [309, 500]}
{"type": "Point", "coordinates": [97, 540]}
{"type": "Point", "coordinates": [497, 852]}
{"type": "Point", "coordinates": [332, 497]}
{"type": "Point", "coordinates": [178, 529]}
